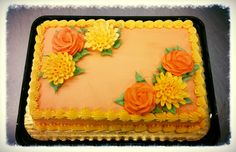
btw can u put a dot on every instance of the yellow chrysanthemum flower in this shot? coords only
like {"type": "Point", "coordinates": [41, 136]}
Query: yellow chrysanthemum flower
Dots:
{"type": "Point", "coordinates": [58, 67]}
{"type": "Point", "coordinates": [101, 36]}
{"type": "Point", "coordinates": [170, 90]}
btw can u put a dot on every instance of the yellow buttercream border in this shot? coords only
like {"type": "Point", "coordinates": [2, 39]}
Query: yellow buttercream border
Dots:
{"type": "Point", "coordinates": [202, 110]}
{"type": "Point", "coordinates": [123, 127]}
{"type": "Point", "coordinates": [65, 132]}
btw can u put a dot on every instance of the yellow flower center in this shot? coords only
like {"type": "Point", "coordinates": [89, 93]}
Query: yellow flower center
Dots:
{"type": "Point", "coordinates": [58, 67]}
{"type": "Point", "coordinates": [101, 36]}
{"type": "Point", "coordinates": [170, 90]}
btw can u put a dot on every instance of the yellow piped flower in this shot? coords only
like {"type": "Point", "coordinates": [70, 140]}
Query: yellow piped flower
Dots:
{"type": "Point", "coordinates": [58, 67]}
{"type": "Point", "coordinates": [170, 90]}
{"type": "Point", "coordinates": [101, 36]}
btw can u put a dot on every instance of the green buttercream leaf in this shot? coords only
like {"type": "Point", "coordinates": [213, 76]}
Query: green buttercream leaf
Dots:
{"type": "Point", "coordinates": [172, 110]}
{"type": "Point", "coordinates": [72, 27]}
{"type": "Point", "coordinates": [117, 44]}
{"type": "Point", "coordinates": [186, 76]}
{"type": "Point", "coordinates": [139, 78]}
{"type": "Point", "coordinates": [80, 55]}
{"type": "Point", "coordinates": [168, 50]}
{"type": "Point", "coordinates": [84, 52]}
{"type": "Point", "coordinates": [195, 68]}
{"type": "Point", "coordinates": [165, 109]}
{"type": "Point", "coordinates": [160, 68]}
{"type": "Point", "coordinates": [82, 30]}
{"type": "Point", "coordinates": [177, 47]}
{"type": "Point", "coordinates": [40, 74]}
{"type": "Point", "coordinates": [78, 71]}
{"type": "Point", "coordinates": [120, 100]}
{"type": "Point", "coordinates": [106, 52]}
{"type": "Point", "coordinates": [119, 32]}
{"type": "Point", "coordinates": [76, 57]}
{"type": "Point", "coordinates": [187, 100]}
{"type": "Point", "coordinates": [55, 87]}
{"type": "Point", "coordinates": [157, 110]}
{"type": "Point", "coordinates": [154, 80]}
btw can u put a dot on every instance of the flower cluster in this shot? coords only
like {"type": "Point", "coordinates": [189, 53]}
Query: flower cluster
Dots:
{"type": "Point", "coordinates": [169, 89]}
{"type": "Point", "coordinates": [70, 44]}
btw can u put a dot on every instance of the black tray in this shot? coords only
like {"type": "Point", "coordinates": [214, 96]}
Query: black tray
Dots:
{"type": "Point", "coordinates": [23, 138]}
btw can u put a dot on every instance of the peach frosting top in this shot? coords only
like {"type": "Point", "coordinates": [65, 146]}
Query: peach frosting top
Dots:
{"type": "Point", "coordinates": [106, 77]}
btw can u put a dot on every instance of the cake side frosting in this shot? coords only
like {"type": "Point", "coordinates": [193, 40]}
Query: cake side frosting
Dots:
{"type": "Point", "coordinates": [85, 113]}
{"type": "Point", "coordinates": [106, 125]}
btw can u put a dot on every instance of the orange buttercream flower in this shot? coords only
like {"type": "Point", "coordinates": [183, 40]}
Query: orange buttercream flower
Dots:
{"type": "Point", "coordinates": [139, 98]}
{"type": "Point", "coordinates": [68, 40]}
{"type": "Point", "coordinates": [178, 62]}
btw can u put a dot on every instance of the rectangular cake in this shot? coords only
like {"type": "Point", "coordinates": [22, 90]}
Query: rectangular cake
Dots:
{"type": "Point", "coordinates": [115, 79]}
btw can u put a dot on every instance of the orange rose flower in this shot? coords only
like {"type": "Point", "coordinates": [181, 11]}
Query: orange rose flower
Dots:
{"type": "Point", "coordinates": [139, 99]}
{"type": "Point", "coordinates": [68, 40]}
{"type": "Point", "coordinates": [178, 62]}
